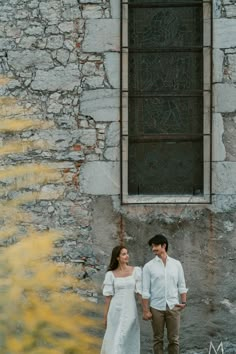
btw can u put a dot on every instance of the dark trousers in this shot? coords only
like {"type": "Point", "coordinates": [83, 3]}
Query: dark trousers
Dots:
{"type": "Point", "coordinates": [170, 319]}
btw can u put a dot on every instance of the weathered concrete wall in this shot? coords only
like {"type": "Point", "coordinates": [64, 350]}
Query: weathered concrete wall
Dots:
{"type": "Point", "coordinates": [62, 61]}
{"type": "Point", "coordinates": [205, 243]}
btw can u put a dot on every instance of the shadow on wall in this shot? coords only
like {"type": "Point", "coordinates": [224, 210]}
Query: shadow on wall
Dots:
{"type": "Point", "coordinates": [40, 309]}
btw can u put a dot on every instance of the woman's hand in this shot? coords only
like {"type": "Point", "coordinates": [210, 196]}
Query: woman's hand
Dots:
{"type": "Point", "coordinates": [147, 315]}
{"type": "Point", "coordinates": [106, 309]}
{"type": "Point", "coordinates": [105, 322]}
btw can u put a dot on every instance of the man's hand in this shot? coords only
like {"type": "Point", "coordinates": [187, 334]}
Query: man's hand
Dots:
{"type": "Point", "coordinates": [181, 306]}
{"type": "Point", "coordinates": [147, 315]}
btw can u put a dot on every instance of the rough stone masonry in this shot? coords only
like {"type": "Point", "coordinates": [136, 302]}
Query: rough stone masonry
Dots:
{"type": "Point", "coordinates": [62, 61]}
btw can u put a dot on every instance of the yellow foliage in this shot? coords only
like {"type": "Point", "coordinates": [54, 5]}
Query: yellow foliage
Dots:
{"type": "Point", "coordinates": [11, 125]}
{"type": "Point", "coordinates": [41, 313]}
{"type": "Point", "coordinates": [29, 169]}
{"type": "Point", "coordinates": [38, 313]}
{"type": "Point", "coordinates": [9, 107]}
{"type": "Point", "coordinates": [4, 80]}
{"type": "Point", "coordinates": [8, 231]}
{"type": "Point", "coordinates": [22, 147]}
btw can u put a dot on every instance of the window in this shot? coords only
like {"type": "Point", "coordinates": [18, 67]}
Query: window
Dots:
{"type": "Point", "coordinates": [166, 101]}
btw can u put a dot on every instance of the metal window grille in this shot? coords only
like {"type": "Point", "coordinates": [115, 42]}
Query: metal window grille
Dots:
{"type": "Point", "coordinates": [166, 101]}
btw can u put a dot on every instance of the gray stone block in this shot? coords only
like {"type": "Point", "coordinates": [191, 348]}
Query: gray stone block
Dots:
{"type": "Point", "coordinates": [100, 178]}
{"type": "Point", "coordinates": [60, 78]}
{"type": "Point", "coordinates": [218, 59]}
{"type": "Point", "coordinates": [66, 27]}
{"type": "Point", "coordinates": [112, 154]}
{"type": "Point", "coordinates": [87, 136]}
{"type": "Point", "coordinates": [92, 11]}
{"type": "Point", "coordinates": [102, 105]}
{"type": "Point", "coordinates": [93, 82]}
{"type": "Point", "coordinates": [101, 35]}
{"type": "Point", "coordinates": [229, 137]}
{"type": "Point", "coordinates": [224, 98]}
{"type": "Point", "coordinates": [231, 69]}
{"type": "Point", "coordinates": [224, 178]}
{"type": "Point", "coordinates": [113, 134]}
{"type": "Point", "coordinates": [55, 42]}
{"type": "Point", "coordinates": [50, 11]}
{"type": "Point", "coordinates": [7, 44]}
{"type": "Point", "coordinates": [63, 56]}
{"type": "Point", "coordinates": [90, 1]}
{"type": "Point", "coordinates": [224, 33]}
{"type": "Point", "coordinates": [22, 60]}
{"type": "Point", "coordinates": [35, 30]}
{"type": "Point", "coordinates": [71, 13]}
{"type": "Point", "coordinates": [112, 68]}
{"type": "Point", "coordinates": [218, 147]}
{"type": "Point", "coordinates": [115, 8]}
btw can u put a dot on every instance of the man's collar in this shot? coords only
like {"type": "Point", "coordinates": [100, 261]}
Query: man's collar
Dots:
{"type": "Point", "coordinates": [159, 259]}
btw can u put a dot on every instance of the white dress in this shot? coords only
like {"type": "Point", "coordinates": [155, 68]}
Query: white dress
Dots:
{"type": "Point", "coordinates": [122, 335]}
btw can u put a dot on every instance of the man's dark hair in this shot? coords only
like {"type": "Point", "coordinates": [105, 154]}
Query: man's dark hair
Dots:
{"type": "Point", "coordinates": [159, 240]}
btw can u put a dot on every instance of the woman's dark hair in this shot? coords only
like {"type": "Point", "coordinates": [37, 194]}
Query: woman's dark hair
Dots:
{"type": "Point", "coordinates": [159, 240]}
{"type": "Point", "coordinates": [114, 255]}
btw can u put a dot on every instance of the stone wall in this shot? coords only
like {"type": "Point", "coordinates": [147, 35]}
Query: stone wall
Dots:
{"type": "Point", "coordinates": [59, 65]}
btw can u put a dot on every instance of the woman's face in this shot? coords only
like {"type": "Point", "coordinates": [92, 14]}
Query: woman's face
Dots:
{"type": "Point", "coordinates": [124, 256]}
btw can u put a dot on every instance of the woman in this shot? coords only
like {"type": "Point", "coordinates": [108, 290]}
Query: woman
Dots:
{"type": "Point", "coordinates": [121, 283]}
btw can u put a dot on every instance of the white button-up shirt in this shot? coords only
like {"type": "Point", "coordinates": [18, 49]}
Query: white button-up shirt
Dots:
{"type": "Point", "coordinates": [162, 284]}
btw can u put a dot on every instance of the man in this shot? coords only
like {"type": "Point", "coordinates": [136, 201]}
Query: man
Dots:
{"type": "Point", "coordinates": [163, 282]}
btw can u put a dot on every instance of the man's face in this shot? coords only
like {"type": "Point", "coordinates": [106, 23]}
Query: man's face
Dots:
{"type": "Point", "coordinates": [158, 250]}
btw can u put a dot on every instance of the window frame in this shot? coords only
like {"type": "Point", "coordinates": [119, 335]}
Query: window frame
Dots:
{"type": "Point", "coordinates": [206, 198]}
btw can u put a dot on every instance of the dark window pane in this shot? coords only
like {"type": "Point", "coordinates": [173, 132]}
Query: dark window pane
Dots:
{"type": "Point", "coordinates": [160, 1]}
{"type": "Point", "coordinates": [165, 27]}
{"type": "Point", "coordinates": [162, 72]}
{"type": "Point", "coordinates": [166, 168]}
{"type": "Point", "coordinates": [165, 90]}
{"type": "Point", "coordinates": [165, 115]}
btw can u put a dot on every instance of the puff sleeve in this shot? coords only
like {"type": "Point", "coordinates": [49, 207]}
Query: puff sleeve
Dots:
{"type": "Point", "coordinates": [108, 285]}
{"type": "Point", "coordinates": [138, 280]}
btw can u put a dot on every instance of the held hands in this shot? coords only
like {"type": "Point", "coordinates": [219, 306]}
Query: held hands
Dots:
{"type": "Point", "coordinates": [147, 315]}
{"type": "Point", "coordinates": [181, 306]}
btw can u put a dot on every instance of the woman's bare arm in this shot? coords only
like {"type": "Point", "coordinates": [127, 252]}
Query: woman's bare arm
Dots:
{"type": "Point", "coordinates": [106, 308]}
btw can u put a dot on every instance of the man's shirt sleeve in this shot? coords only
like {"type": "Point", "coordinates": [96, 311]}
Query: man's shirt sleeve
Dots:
{"type": "Point", "coordinates": [181, 280]}
{"type": "Point", "coordinates": [146, 283]}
